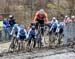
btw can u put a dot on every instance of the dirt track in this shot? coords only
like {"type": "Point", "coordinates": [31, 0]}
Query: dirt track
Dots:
{"type": "Point", "coordinates": [43, 53]}
{"type": "Point", "coordinates": [4, 47]}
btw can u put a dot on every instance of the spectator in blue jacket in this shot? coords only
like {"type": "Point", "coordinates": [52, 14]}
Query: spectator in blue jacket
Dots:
{"type": "Point", "coordinates": [6, 28]}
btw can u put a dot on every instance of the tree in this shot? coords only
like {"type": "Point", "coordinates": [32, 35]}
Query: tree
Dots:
{"type": "Point", "coordinates": [71, 4]}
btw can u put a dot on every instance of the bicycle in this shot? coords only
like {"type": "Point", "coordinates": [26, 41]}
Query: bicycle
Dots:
{"type": "Point", "coordinates": [14, 43]}
{"type": "Point", "coordinates": [59, 38]}
{"type": "Point", "coordinates": [40, 36]}
{"type": "Point", "coordinates": [52, 37]}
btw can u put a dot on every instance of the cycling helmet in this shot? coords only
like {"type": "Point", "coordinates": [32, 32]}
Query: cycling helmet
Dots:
{"type": "Point", "coordinates": [32, 23]}
{"type": "Point", "coordinates": [33, 27]}
{"type": "Point", "coordinates": [66, 16]}
{"type": "Point", "coordinates": [54, 18]}
{"type": "Point", "coordinates": [11, 16]}
{"type": "Point", "coordinates": [41, 11]}
{"type": "Point", "coordinates": [72, 17]}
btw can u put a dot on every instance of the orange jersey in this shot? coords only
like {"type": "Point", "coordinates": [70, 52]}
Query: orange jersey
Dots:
{"type": "Point", "coordinates": [40, 17]}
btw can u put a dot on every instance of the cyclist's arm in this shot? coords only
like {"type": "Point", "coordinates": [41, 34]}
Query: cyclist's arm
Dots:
{"type": "Point", "coordinates": [18, 33]}
{"type": "Point", "coordinates": [12, 31]}
{"type": "Point", "coordinates": [25, 33]}
{"type": "Point", "coordinates": [58, 28]}
{"type": "Point", "coordinates": [28, 33]}
{"type": "Point", "coordinates": [51, 27]}
{"type": "Point", "coordinates": [46, 18]}
{"type": "Point", "coordinates": [35, 18]}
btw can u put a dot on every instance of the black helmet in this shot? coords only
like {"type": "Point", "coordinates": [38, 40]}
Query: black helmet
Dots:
{"type": "Point", "coordinates": [33, 27]}
{"type": "Point", "coordinates": [32, 24]}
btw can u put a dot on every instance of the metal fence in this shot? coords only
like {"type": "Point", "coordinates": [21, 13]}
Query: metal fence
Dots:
{"type": "Point", "coordinates": [69, 32]}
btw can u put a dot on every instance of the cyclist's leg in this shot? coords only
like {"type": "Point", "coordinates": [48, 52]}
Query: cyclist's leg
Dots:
{"type": "Point", "coordinates": [12, 44]}
{"type": "Point", "coordinates": [60, 35]}
{"type": "Point", "coordinates": [22, 42]}
{"type": "Point", "coordinates": [42, 23]}
{"type": "Point", "coordinates": [36, 25]}
{"type": "Point", "coordinates": [42, 31]}
{"type": "Point", "coordinates": [29, 40]}
{"type": "Point", "coordinates": [16, 40]}
{"type": "Point", "coordinates": [19, 42]}
{"type": "Point", "coordinates": [34, 41]}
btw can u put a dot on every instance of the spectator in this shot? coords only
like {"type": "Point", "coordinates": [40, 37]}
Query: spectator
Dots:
{"type": "Point", "coordinates": [1, 28]}
{"type": "Point", "coordinates": [6, 28]}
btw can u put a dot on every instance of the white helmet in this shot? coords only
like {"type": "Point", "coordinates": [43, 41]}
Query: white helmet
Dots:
{"type": "Point", "coordinates": [54, 18]}
{"type": "Point", "coordinates": [10, 16]}
{"type": "Point", "coordinates": [72, 17]}
{"type": "Point", "coordinates": [66, 16]}
{"type": "Point", "coordinates": [41, 11]}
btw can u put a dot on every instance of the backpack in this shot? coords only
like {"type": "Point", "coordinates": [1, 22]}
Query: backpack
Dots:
{"type": "Point", "coordinates": [22, 32]}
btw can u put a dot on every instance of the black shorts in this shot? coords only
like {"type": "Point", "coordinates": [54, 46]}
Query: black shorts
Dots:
{"type": "Point", "coordinates": [54, 30]}
{"type": "Point", "coordinates": [22, 37]}
{"type": "Point", "coordinates": [40, 23]}
{"type": "Point", "coordinates": [32, 37]}
{"type": "Point", "coordinates": [61, 31]}
{"type": "Point", "coordinates": [16, 33]}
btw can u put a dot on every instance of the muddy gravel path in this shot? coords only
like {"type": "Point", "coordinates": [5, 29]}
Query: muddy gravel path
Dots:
{"type": "Point", "coordinates": [43, 53]}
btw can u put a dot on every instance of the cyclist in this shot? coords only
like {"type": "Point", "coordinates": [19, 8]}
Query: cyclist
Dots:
{"type": "Point", "coordinates": [11, 21]}
{"type": "Point", "coordinates": [32, 34]}
{"type": "Point", "coordinates": [54, 20]}
{"type": "Point", "coordinates": [54, 24]}
{"type": "Point", "coordinates": [21, 36]}
{"type": "Point", "coordinates": [15, 29]}
{"type": "Point", "coordinates": [40, 18]}
{"type": "Point", "coordinates": [60, 28]}
{"type": "Point", "coordinates": [13, 35]}
{"type": "Point", "coordinates": [59, 31]}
